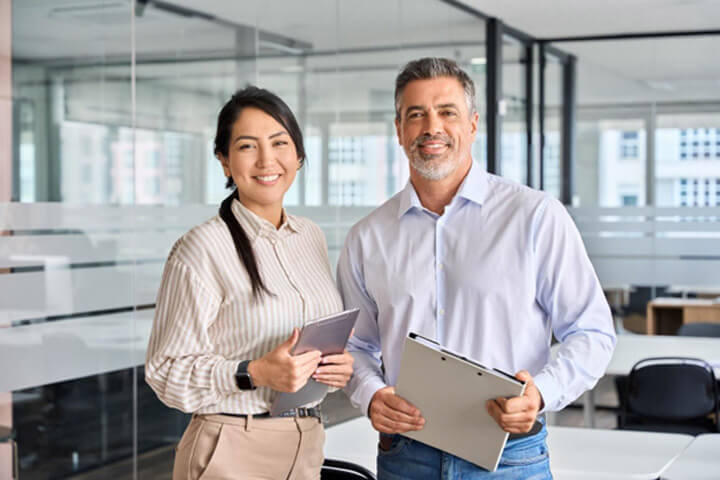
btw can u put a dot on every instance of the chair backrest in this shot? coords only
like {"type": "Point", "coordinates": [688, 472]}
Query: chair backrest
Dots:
{"type": "Point", "coordinates": [700, 329]}
{"type": "Point", "coordinates": [342, 470]}
{"type": "Point", "coordinates": [672, 388]}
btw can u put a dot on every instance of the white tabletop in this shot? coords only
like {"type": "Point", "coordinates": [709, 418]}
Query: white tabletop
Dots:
{"type": "Point", "coordinates": [621, 454]}
{"type": "Point", "coordinates": [575, 453]}
{"type": "Point", "coordinates": [353, 441]}
{"type": "Point", "coordinates": [630, 349]}
{"type": "Point", "coordinates": [700, 461]}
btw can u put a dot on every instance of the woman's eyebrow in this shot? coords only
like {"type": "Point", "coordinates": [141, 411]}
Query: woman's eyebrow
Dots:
{"type": "Point", "coordinates": [245, 137]}
{"type": "Point", "coordinates": [277, 134]}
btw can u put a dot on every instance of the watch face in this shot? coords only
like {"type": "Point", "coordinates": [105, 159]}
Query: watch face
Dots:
{"type": "Point", "coordinates": [242, 377]}
{"type": "Point", "coordinates": [243, 381]}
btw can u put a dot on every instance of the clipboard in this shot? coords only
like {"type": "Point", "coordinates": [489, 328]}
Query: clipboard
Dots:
{"type": "Point", "coordinates": [329, 335]}
{"type": "Point", "coordinates": [451, 390]}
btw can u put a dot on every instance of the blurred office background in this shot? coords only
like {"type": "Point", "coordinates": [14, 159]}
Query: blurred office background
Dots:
{"type": "Point", "coordinates": [107, 115]}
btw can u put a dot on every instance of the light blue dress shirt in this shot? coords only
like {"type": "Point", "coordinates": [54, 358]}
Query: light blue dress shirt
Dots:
{"type": "Point", "coordinates": [491, 278]}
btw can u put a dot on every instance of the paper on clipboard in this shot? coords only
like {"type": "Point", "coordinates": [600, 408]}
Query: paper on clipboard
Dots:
{"type": "Point", "coordinates": [451, 392]}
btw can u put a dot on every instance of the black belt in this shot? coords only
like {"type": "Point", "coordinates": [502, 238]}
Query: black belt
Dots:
{"type": "Point", "coordinates": [537, 426]}
{"type": "Point", "coordinates": [295, 412]}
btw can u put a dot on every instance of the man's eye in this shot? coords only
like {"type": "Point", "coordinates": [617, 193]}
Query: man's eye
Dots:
{"type": "Point", "coordinates": [414, 115]}
{"type": "Point", "coordinates": [449, 113]}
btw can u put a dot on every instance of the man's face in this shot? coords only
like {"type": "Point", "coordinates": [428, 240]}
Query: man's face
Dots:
{"type": "Point", "coordinates": [435, 126]}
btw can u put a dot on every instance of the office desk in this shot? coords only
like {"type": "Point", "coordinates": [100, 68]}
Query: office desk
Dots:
{"type": "Point", "coordinates": [665, 314]}
{"type": "Point", "coordinates": [578, 453]}
{"type": "Point", "coordinates": [575, 453]}
{"type": "Point", "coordinates": [631, 348]}
{"type": "Point", "coordinates": [699, 461]}
{"type": "Point", "coordinates": [702, 291]}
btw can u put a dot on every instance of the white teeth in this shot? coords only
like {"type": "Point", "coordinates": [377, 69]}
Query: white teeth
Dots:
{"type": "Point", "coordinates": [267, 178]}
{"type": "Point", "coordinates": [434, 146]}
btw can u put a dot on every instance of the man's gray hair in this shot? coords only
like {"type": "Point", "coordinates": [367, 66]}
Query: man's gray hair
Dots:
{"type": "Point", "coordinates": [434, 67]}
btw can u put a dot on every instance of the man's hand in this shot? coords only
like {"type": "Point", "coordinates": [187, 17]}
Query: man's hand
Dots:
{"type": "Point", "coordinates": [517, 414]}
{"type": "Point", "coordinates": [335, 370]}
{"type": "Point", "coordinates": [282, 371]}
{"type": "Point", "coordinates": [390, 413]}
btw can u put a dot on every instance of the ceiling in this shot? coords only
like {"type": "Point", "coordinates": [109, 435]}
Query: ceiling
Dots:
{"type": "Point", "coordinates": [653, 70]}
{"type": "Point", "coordinates": [561, 18]}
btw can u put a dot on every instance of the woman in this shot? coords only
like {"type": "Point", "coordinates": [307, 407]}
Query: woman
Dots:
{"type": "Point", "coordinates": [234, 292]}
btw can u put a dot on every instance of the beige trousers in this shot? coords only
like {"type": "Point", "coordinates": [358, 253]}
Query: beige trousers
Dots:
{"type": "Point", "coordinates": [221, 447]}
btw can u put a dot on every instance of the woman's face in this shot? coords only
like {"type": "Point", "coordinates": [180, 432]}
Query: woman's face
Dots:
{"type": "Point", "coordinates": [263, 162]}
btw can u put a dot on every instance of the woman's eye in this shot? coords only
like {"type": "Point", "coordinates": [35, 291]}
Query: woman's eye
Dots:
{"type": "Point", "coordinates": [245, 146]}
{"type": "Point", "coordinates": [280, 143]}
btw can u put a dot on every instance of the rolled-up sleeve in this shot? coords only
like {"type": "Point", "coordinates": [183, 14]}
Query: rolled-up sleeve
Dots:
{"type": "Point", "coordinates": [364, 346]}
{"type": "Point", "coordinates": [570, 293]}
{"type": "Point", "coordinates": [180, 365]}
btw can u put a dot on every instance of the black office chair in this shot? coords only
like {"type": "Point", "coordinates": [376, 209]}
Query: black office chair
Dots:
{"type": "Point", "coordinates": [341, 470]}
{"type": "Point", "coordinates": [669, 394]}
{"type": "Point", "coordinates": [699, 329]}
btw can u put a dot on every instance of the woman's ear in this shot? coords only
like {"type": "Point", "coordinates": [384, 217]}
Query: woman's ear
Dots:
{"type": "Point", "coordinates": [225, 164]}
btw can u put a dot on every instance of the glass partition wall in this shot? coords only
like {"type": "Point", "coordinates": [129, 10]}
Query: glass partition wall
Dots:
{"type": "Point", "coordinates": [113, 108]}
{"type": "Point", "coordinates": [647, 168]}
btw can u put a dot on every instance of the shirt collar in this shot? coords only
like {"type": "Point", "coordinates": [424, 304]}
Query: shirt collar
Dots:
{"type": "Point", "coordinates": [473, 188]}
{"type": "Point", "coordinates": [256, 226]}
{"type": "Point", "coordinates": [475, 185]}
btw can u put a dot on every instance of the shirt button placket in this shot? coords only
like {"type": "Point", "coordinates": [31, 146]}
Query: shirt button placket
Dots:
{"type": "Point", "coordinates": [439, 291]}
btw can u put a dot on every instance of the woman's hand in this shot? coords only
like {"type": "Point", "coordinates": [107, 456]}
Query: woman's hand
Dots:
{"type": "Point", "coordinates": [335, 370]}
{"type": "Point", "coordinates": [282, 371]}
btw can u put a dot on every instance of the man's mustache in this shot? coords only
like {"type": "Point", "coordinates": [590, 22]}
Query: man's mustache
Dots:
{"type": "Point", "coordinates": [428, 138]}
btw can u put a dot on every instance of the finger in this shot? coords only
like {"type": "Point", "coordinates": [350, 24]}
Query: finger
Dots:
{"type": "Point", "coordinates": [387, 425]}
{"type": "Point", "coordinates": [524, 376]}
{"type": "Point", "coordinates": [292, 340]}
{"type": "Point", "coordinates": [500, 402]}
{"type": "Point", "coordinates": [338, 382]}
{"type": "Point", "coordinates": [516, 404]}
{"type": "Point", "coordinates": [398, 415]}
{"type": "Point", "coordinates": [494, 410]}
{"type": "Point", "coordinates": [345, 369]}
{"type": "Point", "coordinates": [397, 403]}
{"type": "Point", "coordinates": [311, 357]}
{"type": "Point", "coordinates": [338, 359]}
{"type": "Point", "coordinates": [517, 418]}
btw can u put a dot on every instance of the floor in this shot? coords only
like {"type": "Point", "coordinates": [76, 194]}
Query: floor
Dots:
{"type": "Point", "coordinates": [157, 464]}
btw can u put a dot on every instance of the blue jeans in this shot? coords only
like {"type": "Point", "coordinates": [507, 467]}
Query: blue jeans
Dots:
{"type": "Point", "coordinates": [522, 459]}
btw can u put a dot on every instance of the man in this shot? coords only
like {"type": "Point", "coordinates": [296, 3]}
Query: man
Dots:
{"type": "Point", "coordinates": [487, 267]}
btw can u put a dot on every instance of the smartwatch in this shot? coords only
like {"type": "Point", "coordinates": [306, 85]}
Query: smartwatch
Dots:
{"type": "Point", "coordinates": [243, 378]}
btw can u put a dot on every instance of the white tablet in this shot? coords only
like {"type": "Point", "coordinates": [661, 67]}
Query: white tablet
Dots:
{"type": "Point", "coordinates": [329, 335]}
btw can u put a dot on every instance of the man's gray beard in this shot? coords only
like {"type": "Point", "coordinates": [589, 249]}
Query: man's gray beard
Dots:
{"type": "Point", "coordinates": [431, 170]}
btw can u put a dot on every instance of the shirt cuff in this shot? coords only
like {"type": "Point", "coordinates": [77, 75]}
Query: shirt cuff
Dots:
{"type": "Point", "coordinates": [550, 391]}
{"type": "Point", "coordinates": [364, 393]}
{"type": "Point", "coordinates": [224, 376]}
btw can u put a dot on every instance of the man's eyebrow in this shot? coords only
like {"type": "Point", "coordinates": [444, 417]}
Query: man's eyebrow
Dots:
{"type": "Point", "coordinates": [414, 107]}
{"type": "Point", "coordinates": [448, 105]}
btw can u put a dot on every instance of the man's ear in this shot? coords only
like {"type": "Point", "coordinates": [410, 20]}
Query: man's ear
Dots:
{"type": "Point", "coordinates": [474, 119]}
{"type": "Point", "coordinates": [398, 131]}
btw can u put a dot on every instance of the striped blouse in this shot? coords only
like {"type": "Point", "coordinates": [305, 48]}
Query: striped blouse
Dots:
{"type": "Point", "coordinates": [206, 320]}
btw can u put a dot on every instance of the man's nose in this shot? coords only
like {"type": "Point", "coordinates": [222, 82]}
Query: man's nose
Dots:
{"type": "Point", "coordinates": [433, 124]}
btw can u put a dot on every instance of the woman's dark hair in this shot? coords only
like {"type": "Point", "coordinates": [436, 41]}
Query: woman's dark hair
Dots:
{"type": "Point", "coordinates": [273, 105]}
